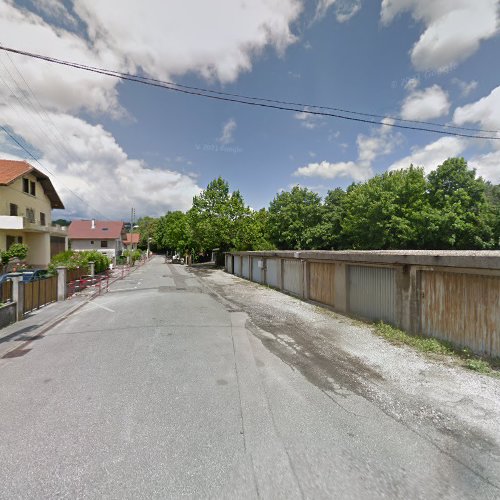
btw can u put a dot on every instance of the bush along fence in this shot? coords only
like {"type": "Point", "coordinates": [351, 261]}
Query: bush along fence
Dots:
{"type": "Point", "coordinates": [450, 295]}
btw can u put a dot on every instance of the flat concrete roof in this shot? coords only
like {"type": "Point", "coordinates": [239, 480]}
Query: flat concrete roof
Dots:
{"type": "Point", "coordinates": [480, 259]}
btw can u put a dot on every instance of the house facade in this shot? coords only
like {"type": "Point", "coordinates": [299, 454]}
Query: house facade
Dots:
{"type": "Point", "coordinates": [131, 241]}
{"type": "Point", "coordinates": [104, 236]}
{"type": "Point", "coordinates": [27, 198]}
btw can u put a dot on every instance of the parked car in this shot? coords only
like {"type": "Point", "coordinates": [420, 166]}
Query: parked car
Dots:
{"type": "Point", "coordinates": [26, 276]}
{"type": "Point", "coordinates": [5, 277]}
{"type": "Point", "coordinates": [33, 275]}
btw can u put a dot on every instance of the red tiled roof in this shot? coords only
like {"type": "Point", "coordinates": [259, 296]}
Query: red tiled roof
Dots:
{"type": "Point", "coordinates": [104, 230]}
{"type": "Point", "coordinates": [10, 170]}
{"type": "Point", "coordinates": [135, 238]}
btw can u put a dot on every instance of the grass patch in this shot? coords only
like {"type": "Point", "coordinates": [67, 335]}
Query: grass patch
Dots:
{"type": "Point", "coordinates": [463, 355]}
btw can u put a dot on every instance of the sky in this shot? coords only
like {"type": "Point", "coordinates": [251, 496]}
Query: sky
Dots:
{"type": "Point", "coordinates": [110, 145]}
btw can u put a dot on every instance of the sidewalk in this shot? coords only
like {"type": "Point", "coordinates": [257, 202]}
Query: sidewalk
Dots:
{"type": "Point", "coordinates": [36, 323]}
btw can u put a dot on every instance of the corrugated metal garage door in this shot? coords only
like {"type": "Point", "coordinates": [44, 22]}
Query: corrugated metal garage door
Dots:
{"type": "Point", "coordinates": [229, 263]}
{"type": "Point", "coordinates": [237, 265]}
{"type": "Point", "coordinates": [245, 267]}
{"type": "Point", "coordinates": [293, 280]}
{"type": "Point", "coordinates": [372, 293]}
{"type": "Point", "coordinates": [461, 308]}
{"type": "Point", "coordinates": [272, 267]}
{"type": "Point", "coordinates": [256, 270]}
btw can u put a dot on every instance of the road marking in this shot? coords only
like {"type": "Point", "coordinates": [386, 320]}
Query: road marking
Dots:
{"type": "Point", "coordinates": [102, 307]}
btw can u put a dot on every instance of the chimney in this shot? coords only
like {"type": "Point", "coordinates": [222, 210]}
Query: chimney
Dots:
{"type": "Point", "coordinates": [93, 224]}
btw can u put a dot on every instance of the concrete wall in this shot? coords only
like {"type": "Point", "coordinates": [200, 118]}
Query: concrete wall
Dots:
{"type": "Point", "coordinates": [7, 314]}
{"type": "Point", "coordinates": [450, 295]}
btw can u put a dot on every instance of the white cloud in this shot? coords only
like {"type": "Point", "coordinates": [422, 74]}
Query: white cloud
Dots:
{"type": "Point", "coordinates": [485, 111]}
{"type": "Point", "coordinates": [164, 40]}
{"type": "Point", "coordinates": [432, 155]}
{"type": "Point", "coordinates": [328, 170]}
{"type": "Point", "coordinates": [228, 129]}
{"type": "Point", "coordinates": [168, 38]}
{"type": "Point", "coordinates": [465, 87]}
{"type": "Point", "coordinates": [381, 142]}
{"type": "Point", "coordinates": [426, 104]}
{"type": "Point", "coordinates": [57, 87]}
{"type": "Point", "coordinates": [101, 173]}
{"type": "Point", "coordinates": [309, 121]}
{"type": "Point", "coordinates": [487, 166]}
{"type": "Point", "coordinates": [453, 31]}
{"type": "Point", "coordinates": [56, 10]}
{"type": "Point", "coordinates": [344, 9]}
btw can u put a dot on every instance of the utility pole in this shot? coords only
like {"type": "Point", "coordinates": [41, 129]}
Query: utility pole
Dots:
{"type": "Point", "coordinates": [132, 217]}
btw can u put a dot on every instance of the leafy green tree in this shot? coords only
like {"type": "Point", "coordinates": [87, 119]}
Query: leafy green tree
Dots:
{"type": "Point", "coordinates": [492, 193]}
{"type": "Point", "coordinates": [385, 212]}
{"type": "Point", "coordinates": [461, 217]}
{"type": "Point", "coordinates": [214, 217]}
{"type": "Point", "coordinates": [173, 232]}
{"type": "Point", "coordinates": [327, 234]}
{"type": "Point", "coordinates": [147, 229]}
{"type": "Point", "coordinates": [252, 232]}
{"type": "Point", "coordinates": [291, 215]}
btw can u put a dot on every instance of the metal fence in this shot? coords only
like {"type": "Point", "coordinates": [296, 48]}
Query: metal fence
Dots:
{"type": "Point", "coordinates": [76, 274]}
{"type": "Point", "coordinates": [39, 293]}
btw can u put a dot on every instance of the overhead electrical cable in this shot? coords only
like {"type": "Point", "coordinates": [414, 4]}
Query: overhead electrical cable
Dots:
{"type": "Point", "coordinates": [31, 155]}
{"type": "Point", "coordinates": [27, 103]}
{"type": "Point", "coordinates": [260, 102]}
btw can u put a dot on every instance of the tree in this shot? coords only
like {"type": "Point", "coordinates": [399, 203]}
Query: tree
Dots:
{"type": "Point", "coordinates": [173, 232]}
{"type": "Point", "coordinates": [252, 232]}
{"type": "Point", "coordinates": [327, 234]}
{"type": "Point", "coordinates": [385, 212]}
{"type": "Point", "coordinates": [461, 217]}
{"type": "Point", "coordinates": [214, 217]}
{"type": "Point", "coordinates": [147, 229]}
{"type": "Point", "coordinates": [291, 215]}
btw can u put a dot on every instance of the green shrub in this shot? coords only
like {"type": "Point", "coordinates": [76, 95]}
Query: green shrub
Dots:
{"type": "Point", "coordinates": [18, 250]}
{"type": "Point", "coordinates": [72, 260]}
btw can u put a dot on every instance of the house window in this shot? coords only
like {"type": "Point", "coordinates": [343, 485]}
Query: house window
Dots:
{"type": "Point", "coordinates": [33, 188]}
{"type": "Point", "coordinates": [26, 185]}
{"type": "Point", "coordinates": [42, 219]}
{"type": "Point", "coordinates": [13, 209]}
{"type": "Point", "coordinates": [104, 243]}
{"type": "Point", "coordinates": [30, 214]}
{"type": "Point", "coordinates": [91, 242]}
{"type": "Point", "coordinates": [10, 240]}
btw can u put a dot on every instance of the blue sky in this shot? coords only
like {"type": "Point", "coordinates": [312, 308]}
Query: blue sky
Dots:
{"type": "Point", "coordinates": [118, 145]}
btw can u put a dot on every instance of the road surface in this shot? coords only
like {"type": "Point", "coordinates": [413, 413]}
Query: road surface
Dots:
{"type": "Point", "coordinates": [165, 388]}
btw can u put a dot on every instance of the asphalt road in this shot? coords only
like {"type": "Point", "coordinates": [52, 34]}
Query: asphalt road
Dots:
{"type": "Point", "coordinates": [164, 389]}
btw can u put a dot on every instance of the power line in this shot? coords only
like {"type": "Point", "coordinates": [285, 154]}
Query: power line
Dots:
{"type": "Point", "coordinates": [49, 171]}
{"type": "Point", "coordinates": [59, 145]}
{"type": "Point", "coordinates": [251, 101]}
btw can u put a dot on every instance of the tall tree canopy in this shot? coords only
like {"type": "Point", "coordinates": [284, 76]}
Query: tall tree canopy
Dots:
{"type": "Point", "coordinates": [292, 215]}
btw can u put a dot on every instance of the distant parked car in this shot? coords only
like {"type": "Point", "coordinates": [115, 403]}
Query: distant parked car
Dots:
{"type": "Point", "coordinates": [5, 277]}
{"type": "Point", "coordinates": [26, 276]}
{"type": "Point", "coordinates": [33, 275]}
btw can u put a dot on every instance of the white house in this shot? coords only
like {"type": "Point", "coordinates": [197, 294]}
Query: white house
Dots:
{"type": "Point", "coordinates": [27, 198]}
{"type": "Point", "coordinates": [104, 236]}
